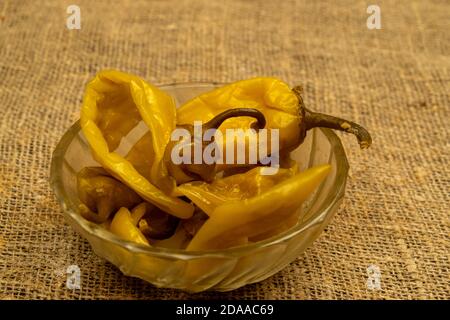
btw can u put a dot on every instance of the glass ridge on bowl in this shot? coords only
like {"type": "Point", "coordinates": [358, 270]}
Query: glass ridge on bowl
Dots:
{"type": "Point", "coordinates": [196, 271]}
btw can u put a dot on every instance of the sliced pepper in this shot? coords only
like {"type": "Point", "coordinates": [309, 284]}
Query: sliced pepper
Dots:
{"type": "Point", "coordinates": [208, 196]}
{"type": "Point", "coordinates": [156, 224]}
{"type": "Point", "coordinates": [123, 226]}
{"type": "Point", "coordinates": [114, 103]}
{"type": "Point", "coordinates": [179, 240]}
{"type": "Point", "coordinates": [256, 215]}
{"type": "Point", "coordinates": [142, 156]}
{"type": "Point", "coordinates": [139, 212]}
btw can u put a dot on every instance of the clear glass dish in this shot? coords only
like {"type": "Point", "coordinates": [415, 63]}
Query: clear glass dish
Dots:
{"type": "Point", "coordinates": [220, 270]}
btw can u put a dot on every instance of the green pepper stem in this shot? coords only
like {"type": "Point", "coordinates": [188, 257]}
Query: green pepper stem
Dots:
{"type": "Point", "coordinates": [315, 119]}
{"type": "Point", "coordinates": [215, 122]}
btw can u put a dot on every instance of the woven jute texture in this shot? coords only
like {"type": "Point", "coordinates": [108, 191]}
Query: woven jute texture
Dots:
{"type": "Point", "coordinates": [395, 81]}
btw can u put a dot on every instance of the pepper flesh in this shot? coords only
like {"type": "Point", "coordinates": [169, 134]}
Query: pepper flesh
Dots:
{"type": "Point", "coordinates": [282, 107]}
{"type": "Point", "coordinates": [254, 216]}
{"type": "Point", "coordinates": [101, 194]}
{"type": "Point", "coordinates": [274, 98]}
{"type": "Point", "coordinates": [186, 172]}
{"type": "Point", "coordinates": [123, 226]}
{"type": "Point", "coordinates": [208, 196]}
{"type": "Point", "coordinates": [114, 103]}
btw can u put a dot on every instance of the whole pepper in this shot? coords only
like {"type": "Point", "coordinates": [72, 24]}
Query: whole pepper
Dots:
{"type": "Point", "coordinates": [114, 103]}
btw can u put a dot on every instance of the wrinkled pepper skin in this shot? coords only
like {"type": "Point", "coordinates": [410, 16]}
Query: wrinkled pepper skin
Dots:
{"type": "Point", "coordinates": [102, 195]}
{"type": "Point", "coordinates": [114, 103]}
{"type": "Point", "coordinates": [259, 214]}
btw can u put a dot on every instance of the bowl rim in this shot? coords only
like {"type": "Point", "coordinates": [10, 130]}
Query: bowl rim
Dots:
{"type": "Point", "coordinates": [70, 210]}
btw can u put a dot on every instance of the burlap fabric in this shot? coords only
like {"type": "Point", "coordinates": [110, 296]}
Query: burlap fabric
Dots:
{"type": "Point", "coordinates": [395, 81]}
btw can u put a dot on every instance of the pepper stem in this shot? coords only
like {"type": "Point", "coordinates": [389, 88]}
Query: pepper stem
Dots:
{"type": "Point", "coordinates": [215, 122]}
{"type": "Point", "coordinates": [315, 119]}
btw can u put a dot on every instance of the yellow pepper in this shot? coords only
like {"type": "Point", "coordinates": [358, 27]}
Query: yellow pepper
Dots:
{"type": "Point", "coordinates": [236, 187]}
{"type": "Point", "coordinates": [281, 106]}
{"type": "Point", "coordinates": [274, 98]}
{"type": "Point", "coordinates": [186, 172]}
{"type": "Point", "coordinates": [101, 194]}
{"type": "Point", "coordinates": [142, 156]}
{"type": "Point", "coordinates": [139, 212]}
{"type": "Point", "coordinates": [157, 225]}
{"type": "Point", "coordinates": [254, 216]}
{"type": "Point", "coordinates": [123, 225]}
{"type": "Point", "coordinates": [179, 240]}
{"type": "Point", "coordinates": [114, 103]}
{"type": "Point", "coordinates": [235, 222]}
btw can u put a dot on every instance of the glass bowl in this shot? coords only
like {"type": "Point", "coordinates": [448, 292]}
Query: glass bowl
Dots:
{"type": "Point", "coordinates": [219, 270]}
